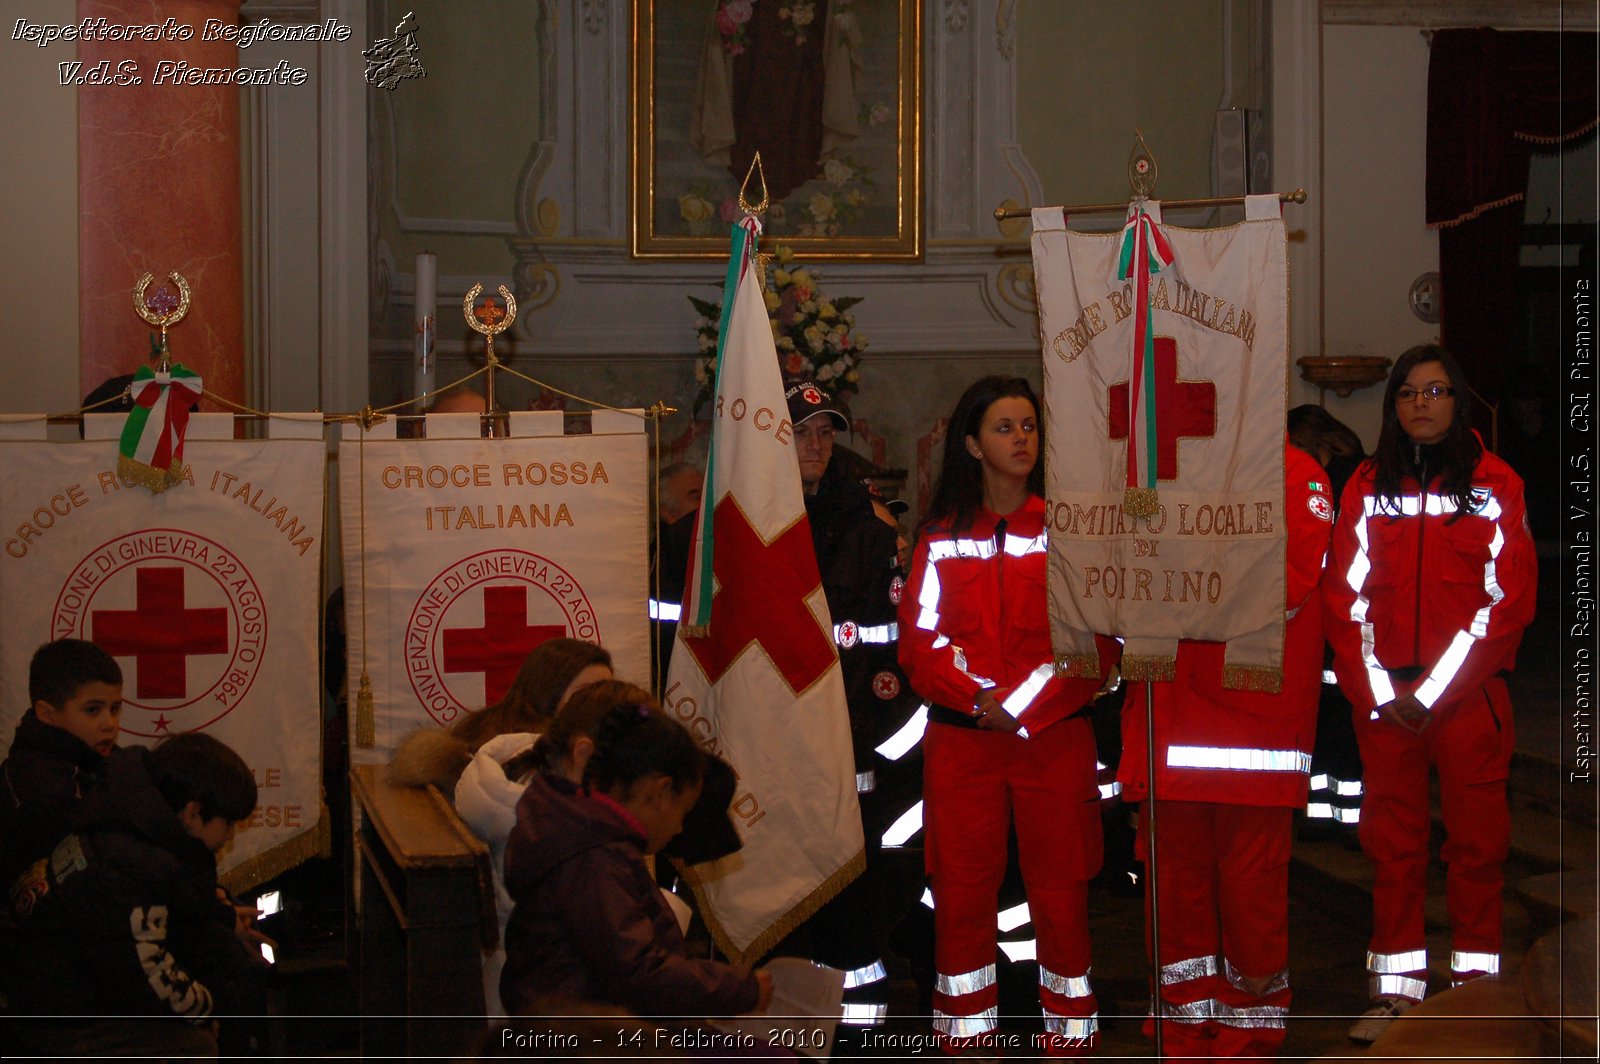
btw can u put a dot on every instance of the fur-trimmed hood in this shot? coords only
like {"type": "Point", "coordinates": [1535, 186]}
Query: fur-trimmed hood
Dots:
{"type": "Point", "coordinates": [433, 756]}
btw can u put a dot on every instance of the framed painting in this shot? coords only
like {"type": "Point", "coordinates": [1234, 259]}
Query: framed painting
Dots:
{"type": "Point", "coordinates": [829, 92]}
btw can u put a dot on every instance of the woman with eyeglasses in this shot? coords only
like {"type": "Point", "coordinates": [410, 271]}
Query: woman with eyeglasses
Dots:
{"type": "Point", "coordinates": [1429, 584]}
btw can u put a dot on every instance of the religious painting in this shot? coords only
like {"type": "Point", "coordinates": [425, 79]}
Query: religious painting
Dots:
{"type": "Point", "coordinates": [829, 92]}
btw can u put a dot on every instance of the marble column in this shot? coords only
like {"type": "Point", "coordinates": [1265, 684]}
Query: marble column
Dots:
{"type": "Point", "coordinates": [158, 191]}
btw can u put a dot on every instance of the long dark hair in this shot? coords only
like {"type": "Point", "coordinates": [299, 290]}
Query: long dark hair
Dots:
{"type": "Point", "coordinates": [959, 491]}
{"type": "Point", "coordinates": [1451, 460]}
{"type": "Point", "coordinates": [531, 699]}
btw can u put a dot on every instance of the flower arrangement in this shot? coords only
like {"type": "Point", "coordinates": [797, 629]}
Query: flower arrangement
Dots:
{"type": "Point", "coordinates": [815, 336]}
{"type": "Point", "coordinates": [733, 16]}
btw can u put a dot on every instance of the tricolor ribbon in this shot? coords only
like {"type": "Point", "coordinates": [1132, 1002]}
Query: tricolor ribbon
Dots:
{"type": "Point", "coordinates": [696, 616]}
{"type": "Point", "coordinates": [151, 449]}
{"type": "Point", "coordinates": [1143, 251]}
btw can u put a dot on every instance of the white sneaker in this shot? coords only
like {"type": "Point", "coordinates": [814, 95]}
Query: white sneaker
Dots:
{"type": "Point", "coordinates": [1372, 1023]}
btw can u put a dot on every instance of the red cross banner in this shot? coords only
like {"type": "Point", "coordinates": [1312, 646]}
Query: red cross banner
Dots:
{"type": "Point", "coordinates": [1165, 377]}
{"type": "Point", "coordinates": [207, 595]}
{"type": "Point", "coordinates": [463, 555]}
{"type": "Point", "coordinates": [755, 675]}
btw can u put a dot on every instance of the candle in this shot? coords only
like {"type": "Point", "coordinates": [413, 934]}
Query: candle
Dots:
{"type": "Point", "coordinates": [427, 304]}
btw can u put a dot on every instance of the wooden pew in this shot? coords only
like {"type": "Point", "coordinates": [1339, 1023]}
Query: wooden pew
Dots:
{"type": "Point", "coordinates": [427, 913]}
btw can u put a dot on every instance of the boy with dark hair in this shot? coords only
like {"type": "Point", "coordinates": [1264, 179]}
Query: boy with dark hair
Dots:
{"type": "Point", "coordinates": [59, 750]}
{"type": "Point", "coordinates": [132, 924]}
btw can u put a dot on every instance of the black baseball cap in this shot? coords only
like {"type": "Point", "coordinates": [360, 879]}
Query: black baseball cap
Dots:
{"type": "Point", "coordinates": [807, 400]}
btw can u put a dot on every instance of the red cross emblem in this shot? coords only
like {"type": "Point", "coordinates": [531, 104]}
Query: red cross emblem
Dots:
{"type": "Point", "coordinates": [160, 633]}
{"type": "Point", "coordinates": [497, 647]}
{"type": "Point", "coordinates": [849, 633]}
{"type": "Point", "coordinates": [897, 589]}
{"type": "Point", "coordinates": [1320, 507]}
{"type": "Point", "coordinates": [886, 685]}
{"type": "Point", "coordinates": [811, 395]}
{"type": "Point", "coordinates": [1186, 409]}
{"type": "Point", "coordinates": [489, 312]}
{"type": "Point", "coordinates": [761, 601]}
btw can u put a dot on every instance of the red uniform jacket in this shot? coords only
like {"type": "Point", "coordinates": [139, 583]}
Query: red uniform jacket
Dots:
{"type": "Point", "coordinates": [1441, 602]}
{"type": "Point", "coordinates": [975, 615]}
{"type": "Point", "coordinates": [1244, 747]}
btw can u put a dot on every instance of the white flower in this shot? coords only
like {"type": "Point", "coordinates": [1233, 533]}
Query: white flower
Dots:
{"type": "Point", "coordinates": [836, 172]}
{"type": "Point", "coordinates": [707, 342]}
{"type": "Point", "coordinates": [825, 373]}
{"type": "Point", "coordinates": [822, 207]}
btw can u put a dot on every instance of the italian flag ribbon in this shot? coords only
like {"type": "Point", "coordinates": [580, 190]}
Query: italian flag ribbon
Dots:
{"type": "Point", "coordinates": [696, 618]}
{"type": "Point", "coordinates": [1143, 251]}
{"type": "Point", "coordinates": [151, 450]}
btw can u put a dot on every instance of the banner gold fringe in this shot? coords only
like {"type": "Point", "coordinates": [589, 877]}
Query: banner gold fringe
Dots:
{"type": "Point", "coordinates": [1078, 666]}
{"type": "Point", "coordinates": [825, 892]}
{"type": "Point", "coordinates": [317, 842]}
{"type": "Point", "coordinates": [148, 476]}
{"type": "Point", "coordinates": [1153, 667]}
{"type": "Point", "coordinates": [1140, 502]}
{"type": "Point", "coordinates": [694, 631]}
{"type": "Point", "coordinates": [366, 736]}
{"type": "Point", "coordinates": [1252, 678]}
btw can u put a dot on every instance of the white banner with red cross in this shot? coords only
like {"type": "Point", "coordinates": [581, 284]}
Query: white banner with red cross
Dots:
{"type": "Point", "coordinates": [755, 676]}
{"type": "Point", "coordinates": [207, 595]}
{"type": "Point", "coordinates": [1165, 375]}
{"type": "Point", "coordinates": [463, 555]}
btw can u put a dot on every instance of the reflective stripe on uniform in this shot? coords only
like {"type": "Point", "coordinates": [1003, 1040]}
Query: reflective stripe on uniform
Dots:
{"type": "Point", "coordinates": [1397, 986]}
{"type": "Point", "coordinates": [1241, 759]}
{"type": "Point", "coordinates": [665, 611]}
{"type": "Point", "coordinates": [900, 743]}
{"type": "Point", "coordinates": [1488, 963]}
{"type": "Point", "coordinates": [905, 826]}
{"type": "Point", "coordinates": [1356, 577]}
{"type": "Point", "coordinates": [1278, 981]}
{"type": "Point", "coordinates": [868, 973]}
{"type": "Point", "coordinates": [966, 1026]}
{"type": "Point", "coordinates": [877, 633]}
{"type": "Point", "coordinates": [1415, 960]}
{"type": "Point", "coordinates": [1189, 1011]}
{"type": "Point", "coordinates": [866, 782]}
{"type": "Point", "coordinates": [965, 983]}
{"type": "Point", "coordinates": [1017, 952]}
{"type": "Point", "coordinates": [1075, 1027]}
{"type": "Point", "coordinates": [1250, 1015]}
{"type": "Point", "coordinates": [1072, 986]}
{"type": "Point", "coordinates": [1183, 971]}
{"type": "Point", "coordinates": [864, 1013]}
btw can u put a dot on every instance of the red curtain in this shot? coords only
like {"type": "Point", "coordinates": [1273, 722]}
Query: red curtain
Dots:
{"type": "Point", "coordinates": [1494, 98]}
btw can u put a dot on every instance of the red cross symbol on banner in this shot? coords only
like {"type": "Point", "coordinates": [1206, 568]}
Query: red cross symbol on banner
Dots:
{"type": "Point", "coordinates": [160, 633]}
{"type": "Point", "coordinates": [761, 601]}
{"type": "Point", "coordinates": [497, 648]}
{"type": "Point", "coordinates": [1184, 409]}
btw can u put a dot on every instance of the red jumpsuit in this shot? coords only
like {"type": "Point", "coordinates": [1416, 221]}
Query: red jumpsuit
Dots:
{"type": "Point", "coordinates": [974, 616]}
{"type": "Point", "coordinates": [1231, 768]}
{"type": "Point", "coordinates": [1419, 603]}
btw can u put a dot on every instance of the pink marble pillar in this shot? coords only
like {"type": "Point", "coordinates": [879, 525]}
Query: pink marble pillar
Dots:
{"type": "Point", "coordinates": [158, 191]}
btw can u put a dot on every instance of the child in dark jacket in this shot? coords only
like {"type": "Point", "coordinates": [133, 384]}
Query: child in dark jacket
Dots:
{"type": "Point", "coordinates": [131, 923]}
{"type": "Point", "coordinates": [58, 752]}
{"type": "Point", "coordinates": [589, 922]}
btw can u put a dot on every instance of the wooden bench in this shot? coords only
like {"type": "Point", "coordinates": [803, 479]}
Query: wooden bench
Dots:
{"type": "Point", "coordinates": [427, 912]}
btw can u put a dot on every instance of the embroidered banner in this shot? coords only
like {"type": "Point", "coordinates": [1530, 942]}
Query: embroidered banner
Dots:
{"type": "Point", "coordinates": [208, 597]}
{"type": "Point", "coordinates": [1165, 362]}
{"type": "Point", "coordinates": [755, 675]}
{"type": "Point", "coordinates": [462, 555]}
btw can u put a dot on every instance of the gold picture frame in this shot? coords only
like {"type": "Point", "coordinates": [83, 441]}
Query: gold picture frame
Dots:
{"type": "Point", "coordinates": [846, 73]}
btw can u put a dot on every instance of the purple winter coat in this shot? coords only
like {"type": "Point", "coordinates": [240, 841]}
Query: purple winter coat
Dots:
{"type": "Point", "coordinates": [589, 923]}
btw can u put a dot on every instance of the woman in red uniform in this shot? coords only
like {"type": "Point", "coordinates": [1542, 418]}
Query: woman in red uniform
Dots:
{"type": "Point", "coordinates": [1003, 739]}
{"type": "Point", "coordinates": [1429, 584]}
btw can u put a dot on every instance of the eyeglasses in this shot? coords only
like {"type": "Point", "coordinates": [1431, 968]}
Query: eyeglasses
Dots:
{"type": "Point", "coordinates": [1432, 393]}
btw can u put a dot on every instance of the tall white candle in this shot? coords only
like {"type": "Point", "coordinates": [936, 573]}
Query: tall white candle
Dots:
{"type": "Point", "coordinates": [427, 305]}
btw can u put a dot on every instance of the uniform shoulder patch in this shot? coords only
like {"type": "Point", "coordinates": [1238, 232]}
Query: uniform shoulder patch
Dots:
{"type": "Point", "coordinates": [1320, 507]}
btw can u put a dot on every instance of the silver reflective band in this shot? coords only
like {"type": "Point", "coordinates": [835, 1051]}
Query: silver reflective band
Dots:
{"type": "Point", "coordinates": [1415, 960]}
{"type": "Point", "coordinates": [1435, 505]}
{"type": "Point", "coordinates": [1017, 952]}
{"type": "Point", "coordinates": [1071, 1026]}
{"type": "Point", "coordinates": [908, 824]}
{"type": "Point", "coordinates": [1278, 981]}
{"type": "Point", "coordinates": [877, 633]}
{"type": "Point", "coordinates": [1183, 971]}
{"type": "Point", "coordinates": [900, 743]}
{"type": "Point", "coordinates": [1238, 758]}
{"type": "Point", "coordinates": [966, 983]}
{"type": "Point", "coordinates": [927, 897]}
{"type": "Point", "coordinates": [1328, 811]}
{"type": "Point", "coordinates": [1356, 578]}
{"type": "Point", "coordinates": [1251, 1016]}
{"type": "Point", "coordinates": [966, 1026]}
{"type": "Point", "coordinates": [864, 1013]}
{"type": "Point", "coordinates": [1329, 677]}
{"type": "Point", "coordinates": [866, 782]}
{"type": "Point", "coordinates": [1397, 986]}
{"type": "Point", "coordinates": [1024, 694]}
{"type": "Point", "coordinates": [1072, 986]}
{"type": "Point", "coordinates": [1110, 790]}
{"type": "Point", "coordinates": [1010, 919]}
{"type": "Point", "coordinates": [870, 973]}
{"type": "Point", "coordinates": [1347, 788]}
{"type": "Point", "coordinates": [1188, 1012]}
{"type": "Point", "coordinates": [665, 611]}
{"type": "Point", "coordinates": [1488, 963]}
{"type": "Point", "coordinates": [1319, 781]}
